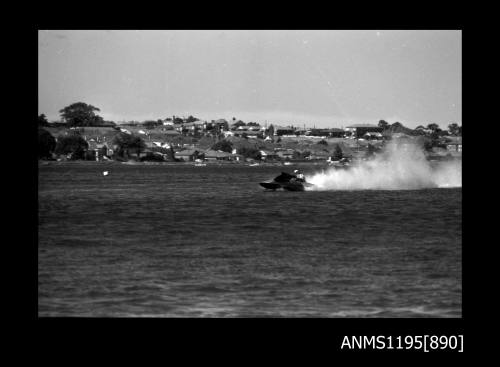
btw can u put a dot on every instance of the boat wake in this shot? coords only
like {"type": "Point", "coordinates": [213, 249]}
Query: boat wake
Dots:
{"type": "Point", "coordinates": [397, 168]}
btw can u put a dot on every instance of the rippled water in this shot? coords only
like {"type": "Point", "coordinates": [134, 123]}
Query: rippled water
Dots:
{"type": "Point", "coordinates": [185, 241]}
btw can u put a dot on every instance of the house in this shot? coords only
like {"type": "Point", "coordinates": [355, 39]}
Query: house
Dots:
{"type": "Point", "coordinates": [325, 133]}
{"type": "Point", "coordinates": [373, 136]}
{"type": "Point", "coordinates": [222, 122]}
{"type": "Point", "coordinates": [358, 130]}
{"type": "Point", "coordinates": [268, 155]}
{"type": "Point", "coordinates": [322, 133]}
{"type": "Point", "coordinates": [319, 155]}
{"type": "Point", "coordinates": [237, 157]}
{"type": "Point", "coordinates": [217, 155]}
{"type": "Point", "coordinates": [285, 131]}
{"type": "Point", "coordinates": [99, 150]}
{"type": "Point", "coordinates": [191, 128]}
{"type": "Point", "coordinates": [187, 155]}
{"type": "Point", "coordinates": [247, 133]}
{"type": "Point", "coordinates": [285, 154]}
{"type": "Point", "coordinates": [336, 133]}
{"type": "Point", "coordinates": [216, 127]}
{"type": "Point", "coordinates": [454, 144]}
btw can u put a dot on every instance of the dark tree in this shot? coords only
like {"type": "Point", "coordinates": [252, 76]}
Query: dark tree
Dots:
{"type": "Point", "coordinates": [250, 153]}
{"type": "Point", "coordinates": [42, 120]}
{"type": "Point", "coordinates": [72, 144]}
{"type": "Point", "coordinates": [337, 153]}
{"type": "Point", "coordinates": [191, 119]}
{"type": "Point", "coordinates": [224, 145]}
{"type": "Point", "coordinates": [270, 131]}
{"type": "Point", "coordinates": [383, 124]}
{"type": "Point", "coordinates": [433, 127]}
{"type": "Point", "coordinates": [46, 144]}
{"type": "Point", "coordinates": [128, 143]}
{"type": "Point", "coordinates": [454, 129]}
{"type": "Point", "coordinates": [428, 144]}
{"type": "Point", "coordinates": [322, 142]}
{"type": "Point", "coordinates": [81, 114]}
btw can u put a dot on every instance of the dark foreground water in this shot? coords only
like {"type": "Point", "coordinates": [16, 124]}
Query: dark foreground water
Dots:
{"type": "Point", "coordinates": [184, 241]}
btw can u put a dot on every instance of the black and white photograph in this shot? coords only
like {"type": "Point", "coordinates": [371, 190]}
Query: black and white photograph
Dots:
{"type": "Point", "coordinates": [250, 173]}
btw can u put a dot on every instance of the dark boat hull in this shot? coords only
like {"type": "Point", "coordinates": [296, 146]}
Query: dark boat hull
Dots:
{"type": "Point", "coordinates": [270, 185]}
{"type": "Point", "coordinates": [287, 182]}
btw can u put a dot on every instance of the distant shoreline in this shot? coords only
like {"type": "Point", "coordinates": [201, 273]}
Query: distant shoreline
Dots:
{"type": "Point", "coordinates": [208, 163]}
{"type": "Point", "coordinates": [192, 163]}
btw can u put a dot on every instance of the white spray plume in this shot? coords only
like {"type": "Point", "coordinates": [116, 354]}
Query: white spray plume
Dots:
{"type": "Point", "coordinates": [399, 167]}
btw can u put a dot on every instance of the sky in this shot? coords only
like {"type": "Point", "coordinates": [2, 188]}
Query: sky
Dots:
{"type": "Point", "coordinates": [322, 78]}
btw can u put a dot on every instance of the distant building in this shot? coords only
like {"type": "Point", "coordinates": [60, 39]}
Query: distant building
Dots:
{"type": "Point", "coordinates": [247, 133]}
{"type": "Point", "coordinates": [285, 154]}
{"type": "Point", "coordinates": [454, 144]}
{"type": "Point", "coordinates": [187, 155]}
{"type": "Point", "coordinates": [373, 136]}
{"type": "Point", "coordinates": [215, 155]}
{"type": "Point", "coordinates": [285, 131]}
{"type": "Point", "coordinates": [358, 130]}
{"type": "Point", "coordinates": [319, 155]}
{"type": "Point", "coordinates": [268, 155]}
{"type": "Point", "coordinates": [326, 133]}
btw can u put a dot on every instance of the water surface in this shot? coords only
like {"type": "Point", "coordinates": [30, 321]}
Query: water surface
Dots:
{"type": "Point", "coordinates": [184, 241]}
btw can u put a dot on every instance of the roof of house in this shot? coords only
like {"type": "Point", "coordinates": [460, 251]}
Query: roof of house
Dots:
{"type": "Point", "coordinates": [267, 152]}
{"type": "Point", "coordinates": [186, 152]}
{"type": "Point", "coordinates": [170, 132]}
{"type": "Point", "coordinates": [247, 132]}
{"type": "Point", "coordinates": [216, 154]}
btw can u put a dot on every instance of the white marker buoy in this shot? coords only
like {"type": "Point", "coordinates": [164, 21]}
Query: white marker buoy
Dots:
{"type": "Point", "coordinates": [105, 173]}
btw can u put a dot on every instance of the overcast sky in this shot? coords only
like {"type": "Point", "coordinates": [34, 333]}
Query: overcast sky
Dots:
{"type": "Point", "coordinates": [322, 78]}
